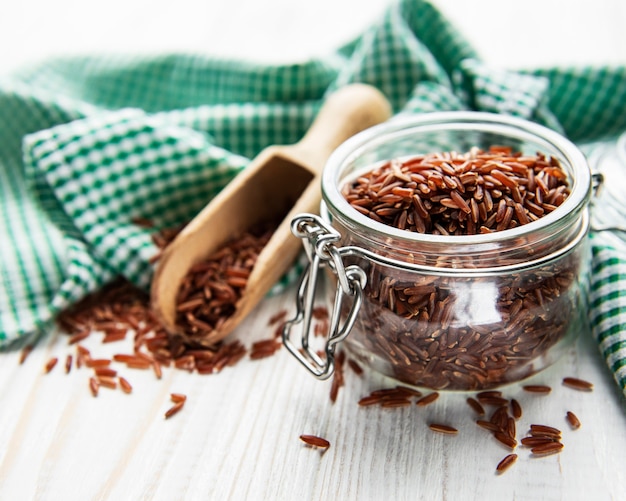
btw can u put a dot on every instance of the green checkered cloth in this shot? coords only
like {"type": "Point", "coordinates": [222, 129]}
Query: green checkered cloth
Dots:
{"type": "Point", "coordinates": [90, 144]}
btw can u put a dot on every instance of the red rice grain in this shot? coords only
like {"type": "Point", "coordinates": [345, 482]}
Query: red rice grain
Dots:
{"type": "Point", "coordinates": [537, 388]}
{"type": "Point", "coordinates": [320, 313]}
{"type": "Point", "coordinates": [475, 405]}
{"type": "Point", "coordinates": [81, 350]}
{"type": "Point", "coordinates": [186, 362]}
{"type": "Point", "coordinates": [487, 425]}
{"type": "Point", "coordinates": [511, 428]}
{"type": "Point", "coordinates": [505, 439]}
{"type": "Point", "coordinates": [546, 449]}
{"type": "Point", "coordinates": [98, 362]}
{"type": "Point", "coordinates": [277, 317]}
{"type": "Point", "coordinates": [144, 356]}
{"type": "Point", "coordinates": [278, 331]}
{"type": "Point", "coordinates": [83, 355]}
{"type": "Point", "coordinates": [126, 358]}
{"type": "Point", "coordinates": [107, 382]}
{"type": "Point", "coordinates": [356, 368]}
{"type": "Point", "coordinates": [265, 348]}
{"type": "Point", "coordinates": [370, 400]}
{"type": "Point", "coordinates": [125, 385]}
{"type": "Point", "coordinates": [535, 441]}
{"type": "Point", "coordinates": [443, 428]}
{"type": "Point", "coordinates": [94, 386]}
{"type": "Point", "coordinates": [538, 430]}
{"type": "Point", "coordinates": [50, 364]}
{"type": "Point", "coordinates": [427, 399]}
{"type": "Point", "coordinates": [156, 367]}
{"type": "Point", "coordinates": [178, 397]}
{"type": "Point", "coordinates": [105, 372]}
{"type": "Point", "coordinates": [500, 417]}
{"type": "Point", "coordinates": [338, 376]}
{"type": "Point", "coordinates": [334, 388]}
{"type": "Point", "coordinates": [578, 384]}
{"type": "Point", "coordinates": [142, 364]}
{"type": "Point", "coordinates": [398, 396]}
{"type": "Point", "coordinates": [516, 409]}
{"type": "Point", "coordinates": [174, 409]}
{"type": "Point", "coordinates": [25, 352]}
{"type": "Point", "coordinates": [315, 441]}
{"type": "Point", "coordinates": [488, 394]}
{"type": "Point", "coordinates": [79, 336]}
{"type": "Point", "coordinates": [392, 393]}
{"type": "Point", "coordinates": [494, 401]}
{"type": "Point", "coordinates": [573, 420]}
{"type": "Point", "coordinates": [409, 392]}
{"type": "Point", "coordinates": [395, 402]}
{"type": "Point", "coordinates": [68, 364]}
{"type": "Point", "coordinates": [506, 463]}
{"type": "Point", "coordinates": [114, 336]}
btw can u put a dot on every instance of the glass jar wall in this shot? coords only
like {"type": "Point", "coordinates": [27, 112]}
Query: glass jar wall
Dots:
{"type": "Point", "coordinates": [462, 312]}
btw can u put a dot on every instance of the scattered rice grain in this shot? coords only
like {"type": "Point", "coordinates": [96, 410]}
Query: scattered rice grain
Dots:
{"type": "Point", "coordinates": [178, 397]}
{"type": "Point", "coordinates": [76, 338]}
{"type": "Point", "coordinates": [537, 388]}
{"type": "Point", "coordinates": [174, 409]}
{"type": "Point", "coordinates": [25, 352]}
{"type": "Point", "coordinates": [505, 439]}
{"type": "Point", "coordinates": [535, 441]}
{"type": "Point", "coordinates": [105, 372]}
{"type": "Point", "coordinates": [94, 386]}
{"type": "Point", "coordinates": [516, 409]}
{"type": "Point", "coordinates": [156, 367]}
{"type": "Point", "coordinates": [50, 364]}
{"type": "Point", "coordinates": [356, 368]}
{"type": "Point", "coordinates": [125, 385]}
{"type": "Point", "coordinates": [475, 405]}
{"type": "Point", "coordinates": [443, 428]}
{"type": "Point", "coordinates": [427, 399]}
{"type": "Point", "coordinates": [107, 382]}
{"type": "Point", "coordinates": [546, 449]}
{"type": "Point", "coordinates": [315, 441]}
{"type": "Point", "coordinates": [277, 317]}
{"type": "Point", "coordinates": [487, 425]}
{"type": "Point", "coordinates": [577, 384]}
{"type": "Point", "coordinates": [506, 463]}
{"type": "Point", "coordinates": [573, 420]}
{"type": "Point", "coordinates": [98, 362]}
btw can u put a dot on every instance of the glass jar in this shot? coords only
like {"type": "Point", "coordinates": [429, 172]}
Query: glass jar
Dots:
{"type": "Point", "coordinates": [446, 312]}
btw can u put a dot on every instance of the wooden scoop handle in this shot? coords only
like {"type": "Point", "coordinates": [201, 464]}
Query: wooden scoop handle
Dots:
{"type": "Point", "coordinates": [347, 111]}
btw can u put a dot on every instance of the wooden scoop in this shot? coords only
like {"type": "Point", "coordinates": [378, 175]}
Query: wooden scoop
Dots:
{"type": "Point", "coordinates": [279, 183]}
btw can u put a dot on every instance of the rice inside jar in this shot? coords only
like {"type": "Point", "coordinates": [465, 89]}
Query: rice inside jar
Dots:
{"type": "Point", "coordinates": [455, 296]}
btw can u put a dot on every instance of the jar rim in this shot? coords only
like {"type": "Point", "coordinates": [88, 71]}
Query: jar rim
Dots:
{"type": "Point", "coordinates": [514, 127]}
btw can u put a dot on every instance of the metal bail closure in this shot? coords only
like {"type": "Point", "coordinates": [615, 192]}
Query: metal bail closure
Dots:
{"type": "Point", "coordinates": [319, 243]}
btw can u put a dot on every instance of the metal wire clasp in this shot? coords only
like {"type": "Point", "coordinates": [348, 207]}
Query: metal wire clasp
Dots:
{"type": "Point", "coordinates": [319, 241]}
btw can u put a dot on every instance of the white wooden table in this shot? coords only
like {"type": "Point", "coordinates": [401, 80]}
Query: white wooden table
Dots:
{"type": "Point", "coordinates": [238, 434]}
